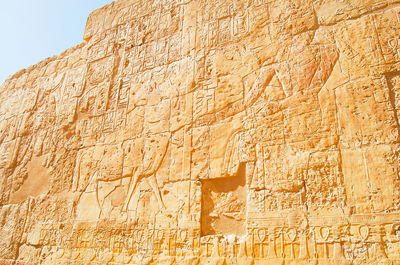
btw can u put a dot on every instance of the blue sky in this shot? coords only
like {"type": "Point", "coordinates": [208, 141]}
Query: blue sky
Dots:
{"type": "Point", "coordinates": [32, 30]}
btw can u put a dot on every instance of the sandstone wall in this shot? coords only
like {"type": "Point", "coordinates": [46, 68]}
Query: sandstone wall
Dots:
{"type": "Point", "coordinates": [208, 132]}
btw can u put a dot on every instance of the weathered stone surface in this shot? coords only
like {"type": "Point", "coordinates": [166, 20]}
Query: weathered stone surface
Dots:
{"type": "Point", "coordinates": [208, 132]}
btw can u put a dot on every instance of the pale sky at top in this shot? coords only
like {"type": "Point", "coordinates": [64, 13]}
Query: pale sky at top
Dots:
{"type": "Point", "coordinates": [32, 30]}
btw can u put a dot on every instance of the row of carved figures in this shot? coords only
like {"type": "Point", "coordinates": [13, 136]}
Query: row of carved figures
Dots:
{"type": "Point", "coordinates": [345, 242]}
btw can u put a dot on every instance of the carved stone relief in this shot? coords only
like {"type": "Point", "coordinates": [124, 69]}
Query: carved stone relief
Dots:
{"type": "Point", "coordinates": [208, 132]}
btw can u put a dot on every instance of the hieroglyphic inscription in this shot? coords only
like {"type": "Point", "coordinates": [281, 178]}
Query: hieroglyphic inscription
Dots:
{"type": "Point", "coordinates": [223, 132]}
{"type": "Point", "coordinates": [337, 242]}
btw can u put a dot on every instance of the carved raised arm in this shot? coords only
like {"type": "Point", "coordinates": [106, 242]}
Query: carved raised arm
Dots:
{"type": "Point", "coordinates": [262, 81]}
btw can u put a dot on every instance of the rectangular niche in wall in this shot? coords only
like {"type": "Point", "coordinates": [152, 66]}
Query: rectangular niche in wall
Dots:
{"type": "Point", "coordinates": [224, 200]}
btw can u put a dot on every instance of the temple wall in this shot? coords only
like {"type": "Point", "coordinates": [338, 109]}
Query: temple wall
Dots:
{"type": "Point", "coordinates": [208, 132]}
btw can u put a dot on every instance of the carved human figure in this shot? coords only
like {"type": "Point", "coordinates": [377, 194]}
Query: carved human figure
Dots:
{"type": "Point", "coordinates": [156, 139]}
{"type": "Point", "coordinates": [302, 66]}
{"type": "Point", "coordinates": [153, 153]}
{"type": "Point", "coordinates": [135, 159]}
